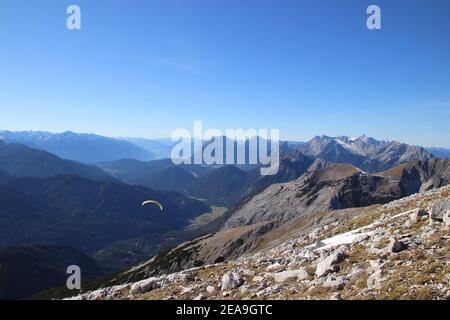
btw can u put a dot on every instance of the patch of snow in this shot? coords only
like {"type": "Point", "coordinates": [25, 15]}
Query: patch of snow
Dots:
{"type": "Point", "coordinates": [344, 238]}
{"type": "Point", "coordinates": [352, 148]}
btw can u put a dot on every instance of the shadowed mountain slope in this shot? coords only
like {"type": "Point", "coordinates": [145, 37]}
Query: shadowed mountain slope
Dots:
{"type": "Point", "coordinates": [87, 214]}
{"type": "Point", "coordinates": [22, 161]}
{"type": "Point", "coordinates": [28, 270]}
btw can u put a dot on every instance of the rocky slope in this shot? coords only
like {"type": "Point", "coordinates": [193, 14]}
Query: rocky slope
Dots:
{"type": "Point", "coordinates": [338, 187]}
{"type": "Point", "coordinates": [395, 251]}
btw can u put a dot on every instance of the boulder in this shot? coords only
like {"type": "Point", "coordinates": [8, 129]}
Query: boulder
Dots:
{"type": "Point", "coordinates": [355, 271]}
{"type": "Point", "coordinates": [274, 266]}
{"type": "Point", "coordinates": [438, 209]}
{"type": "Point", "coordinates": [244, 289]}
{"type": "Point", "coordinates": [231, 280]}
{"type": "Point", "coordinates": [219, 259]}
{"type": "Point", "coordinates": [144, 286]}
{"type": "Point", "coordinates": [319, 244]}
{"type": "Point", "coordinates": [249, 273]}
{"type": "Point", "coordinates": [315, 283]}
{"type": "Point", "coordinates": [186, 276]}
{"type": "Point", "coordinates": [315, 233]}
{"type": "Point", "coordinates": [200, 297]}
{"type": "Point", "coordinates": [335, 282]}
{"type": "Point", "coordinates": [276, 289]}
{"type": "Point", "coordinates": [446, 218]}
{"type": "Point", "coordinates": [299, 274]}
{"type": "Point", "coordinates": [198, 263]}
{"type": "Point", "coordinates": [188, 289]}
{"type": "Point", "coordinates": [330, 264]}
{"type": "Point", "coordinates": [417, 214]}
{"type": "Point", "coordinates": [397, 246]}
{"type": "Point", "coordinates": [374, 280]}
{"type": "Point", "coordinates": [336, 296]}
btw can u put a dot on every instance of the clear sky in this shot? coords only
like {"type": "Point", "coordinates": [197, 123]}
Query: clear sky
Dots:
{"type": "Point", "coordinates": [147, 67]}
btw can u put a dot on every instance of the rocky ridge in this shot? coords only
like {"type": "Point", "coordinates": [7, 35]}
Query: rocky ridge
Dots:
{"type": "Point", "coordinates": [363, 152]}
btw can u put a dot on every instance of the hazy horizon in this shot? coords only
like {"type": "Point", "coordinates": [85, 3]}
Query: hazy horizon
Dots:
{"type": "Point", "coordinates": [169, 138]}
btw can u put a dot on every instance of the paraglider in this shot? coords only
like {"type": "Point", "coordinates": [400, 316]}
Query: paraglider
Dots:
{"type": "Point", "coordinates": [153, 202]}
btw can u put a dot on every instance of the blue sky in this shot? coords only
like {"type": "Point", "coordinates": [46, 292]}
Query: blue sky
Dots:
{"type": "Point", "coordinates": [145, 68]}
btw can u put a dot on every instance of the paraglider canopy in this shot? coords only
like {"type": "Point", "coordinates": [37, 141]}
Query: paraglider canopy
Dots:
{"type": "Point", "coordinates": [156, 203]}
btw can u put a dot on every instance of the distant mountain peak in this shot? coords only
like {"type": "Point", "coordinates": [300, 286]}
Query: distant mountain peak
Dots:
{"type": "Point", "coordinates": [84, 147]}
{"type": "Point", "coordinates": [364, 152]}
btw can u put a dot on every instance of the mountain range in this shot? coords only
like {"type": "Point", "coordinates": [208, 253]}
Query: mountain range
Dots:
{"type": "Point", "coordinates": [79, 146]}
{"type": "Point", "coordinates": [161, 148]}
{"type": "Point", "coordinates": [363, 152]}
{"type": "Point", "coordinates": [225, 185]}
{"type": "Point", "coordinates": [93, 208]}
